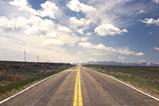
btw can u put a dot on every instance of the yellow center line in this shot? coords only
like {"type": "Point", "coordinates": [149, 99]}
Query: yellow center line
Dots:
{"type": "Point", "coordinates": [78, 92]}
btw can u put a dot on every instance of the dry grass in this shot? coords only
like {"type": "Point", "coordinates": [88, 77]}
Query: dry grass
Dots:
{"type": "Point", "coordinates": [15, 75]}
{"type": "Point", "coordinates": [146, 78]}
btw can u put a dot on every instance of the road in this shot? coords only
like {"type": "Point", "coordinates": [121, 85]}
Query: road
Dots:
{"type": "Point", "coordinates": [81, 86]}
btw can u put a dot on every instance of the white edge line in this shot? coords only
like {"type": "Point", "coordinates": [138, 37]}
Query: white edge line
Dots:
{"type": "Point", "coordinates": [1, 102]}
{"type": "Point", "coordinates": [130, 86]}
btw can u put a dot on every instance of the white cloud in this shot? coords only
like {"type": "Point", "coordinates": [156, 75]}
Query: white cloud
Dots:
{"type": "Point", "coordinates": [86, 44]}
{"type": "Point", "coordinates": [84, 39]}
{"type": "Point", "coordinates": [65, 29]}
{"type": "Point", "coordinates": [100, 46]}
{"type": "Point", "coordinates": [53, 42]}
{"type": "Point", "coordinates": [49, 9]}
{"type": "Point", "coordinates": [139, 54]}
{"type": "Point", "coordinates": [4, 22]}
{"type": "Point", "coordinates": [33, 30]}
{"type": "Point", "coordinates": [51, 34]}
{"type": "Point", "coordinates": [151, 21]}
{"type": "Point", "coordinates": [79, 22]}
{"type": "Point", "coordinates": [14, 23]}
{"type": "Point", "coordinates": [14, 45]}
{"type": "Point", "coordinates": [155, 1]}
{"type": "Point", "coordinates": [122, 51]}
{"type": "Point", "coordinates": [108, 29]}
{"type": "Point", "coordinates": [20, 3]}
{"type": "Point", "coordinates": [23, 27]}
{"type": "Point", "coordinates": [31, 25]}
{"type": "Point", "coordinates": [68, 38]}
{"type": "Point", "coordinates": [156, 48]}
{"type": "Point", "coordinates": [40, 27]}
{"type": "Point", "coordinates": [92, 46]}
{"type": "Point", "coordinates": [77, 6]}
{"type": "Point", "coordinates": [88, 33]}
{"type": "Point", "coordinates": [24, 6]}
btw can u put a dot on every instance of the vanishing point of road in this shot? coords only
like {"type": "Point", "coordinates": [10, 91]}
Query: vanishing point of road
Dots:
{"type": "Point", "coordinates": [80, 86]}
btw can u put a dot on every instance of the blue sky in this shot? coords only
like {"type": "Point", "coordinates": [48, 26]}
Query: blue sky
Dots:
{"type": "Point", "coordinates": [80, 30]}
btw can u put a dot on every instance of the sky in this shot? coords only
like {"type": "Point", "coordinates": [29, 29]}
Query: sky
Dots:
{"type": "Point", "coordinates": [80, 30]}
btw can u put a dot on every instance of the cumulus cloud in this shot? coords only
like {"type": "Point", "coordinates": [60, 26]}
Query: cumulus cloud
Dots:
{"type": "Point", "coordinates": [34, 45]}
{"type": "Point", "coordinates": [77, 6]}
{"type": "Point", "coordinates": [53, 42]}
{"type": "Point", "coordinates": [79, 22]}
{"type": "Point", "coordinates": [151, 21]}
{"type": "Point", "coordinates": [46, 33]}
{"type": "Point", "coordinates": [24, 6]}
{"type": "Point", "coordinates": [34, 25]}
{"type": "Point", "coordinates": [49, 9]}
{"type": "Point", "coordinates": [20, 3]}
{"type": "Point", "coordinates": [91, 46]}
{"type": "Point", "coordinates": [68, 38]}
{"type": "Point", "coordinates": [65, 29]}
{"type": "Point", "coordinates": [122, 51]}
{"type": "Point", "coordinates": [108, 29]}
{"type": "Point", "coordinates": [27, 25]}
{"type": "Point", "coordinates": [106, 14]}
{"type": "Point", "coordinates": [86, 44]}
{"type": "Point", "coordinates": [156, 48]}
{"type": "Point", "coordinates": [40, 27]}
{"type": "Point", "coordinates": [14, 23]}
{"type": "Point", "coordinates": [84, 39]}
{"type": "Point", "coordinates": [139, 54]}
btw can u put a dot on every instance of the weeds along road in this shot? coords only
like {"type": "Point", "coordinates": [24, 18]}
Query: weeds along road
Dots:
{"type": "Point", "coordinates": [81, 86]}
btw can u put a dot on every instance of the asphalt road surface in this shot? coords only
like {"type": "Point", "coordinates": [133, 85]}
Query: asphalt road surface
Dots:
{"type": "Point", "coordinates": [81, 87]}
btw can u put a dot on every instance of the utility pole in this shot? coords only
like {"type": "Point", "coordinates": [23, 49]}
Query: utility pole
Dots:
{"type": "Point", "coordinates": [37, 58]}
{"type": "Point", "coordinates": [24, 56]}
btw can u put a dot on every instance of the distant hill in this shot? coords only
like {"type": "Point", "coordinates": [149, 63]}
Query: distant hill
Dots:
{"type": "Point", "coordinates": [122, 63]}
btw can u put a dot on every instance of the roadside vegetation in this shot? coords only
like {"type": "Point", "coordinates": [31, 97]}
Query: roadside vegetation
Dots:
{"type": "Point", "coordinates": [14, 76]}
{"type": "Point", "coordinates": [145, 78]}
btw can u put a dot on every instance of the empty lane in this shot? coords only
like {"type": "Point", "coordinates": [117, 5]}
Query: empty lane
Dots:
{"type": "Point", "coordinates": [81, 87]}
{"type": "Point", "coordinates": [56, 91]}
{"type": "Point", "coordinates": [100, 90]}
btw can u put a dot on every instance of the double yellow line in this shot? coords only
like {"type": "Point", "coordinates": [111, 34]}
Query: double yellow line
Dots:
{"type": "Point", "coordinates": [78, 92]}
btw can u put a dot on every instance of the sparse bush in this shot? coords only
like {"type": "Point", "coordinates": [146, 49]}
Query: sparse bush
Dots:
{"type": "Point", "coordinates": [146, 78]}
{"type": "Point", "coordinates": [15, 75]}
